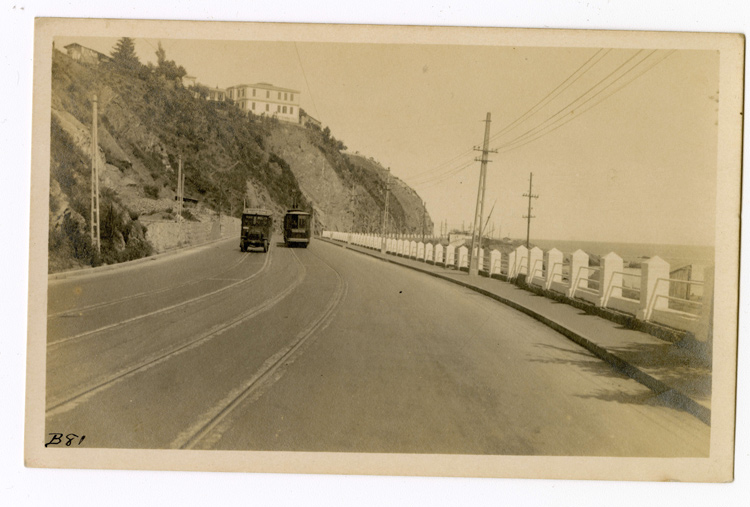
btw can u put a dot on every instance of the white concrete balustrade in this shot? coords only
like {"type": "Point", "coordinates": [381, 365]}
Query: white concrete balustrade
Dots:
{"type": "Point", "coordinates": [536, 267]}
{"type": "Point", "coordinates": [439, 255]}
{"type": "Point", "coordinates": [429, 251]}
{"type": "Point", "coordinates": [554, 279]}
{"type": "Point", "coordinates": [643, 293]}
{"type": "Point", "coordinates": [463, 257]}
{"type": "Point", "coordinates": [450, 256]}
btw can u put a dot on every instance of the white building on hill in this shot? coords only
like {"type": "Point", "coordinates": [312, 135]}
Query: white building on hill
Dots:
{"type": "Point", "coordinates": [265, 98]}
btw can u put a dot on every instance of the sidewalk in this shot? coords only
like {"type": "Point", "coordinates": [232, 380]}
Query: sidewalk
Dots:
{"type": "Point", "coordinates": [675, 374]}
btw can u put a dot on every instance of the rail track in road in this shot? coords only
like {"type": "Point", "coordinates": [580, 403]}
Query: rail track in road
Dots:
{"type": "Point", "coordinates": [331, 351]}
{"type": "Point", "coordinates": [71, 401]}
{"type": "Point", "coordinates": [209, 426]}
{"type": "Point", "coordinates": [97, 306]}
{"type": "Point", "coordinates": [197, 299]}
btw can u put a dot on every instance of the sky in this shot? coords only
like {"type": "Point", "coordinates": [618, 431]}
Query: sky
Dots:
{"type": "Point", "coordinates": [622, 143]}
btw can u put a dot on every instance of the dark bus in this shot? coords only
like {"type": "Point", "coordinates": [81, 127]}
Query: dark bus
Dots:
{"type": "Point", "coordinates": [297, 228]}
{"type": "Point", "coordinates": [256, 229]}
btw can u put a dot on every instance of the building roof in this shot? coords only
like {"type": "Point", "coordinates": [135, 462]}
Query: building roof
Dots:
{"type": "Point", "coordinates": [265, 86]}
{"type": "Point", "coordinates": [75, 44]}
{"type": "Point", "coordinates": [309, 116]}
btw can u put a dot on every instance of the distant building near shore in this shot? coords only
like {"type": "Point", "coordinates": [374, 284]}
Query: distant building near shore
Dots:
{"type": "Point", "coordinates": [82, 54]}
{"type": "Point", "coordinates": [458, 237]}
{"type": "Point", "coordinates": [266, 99]}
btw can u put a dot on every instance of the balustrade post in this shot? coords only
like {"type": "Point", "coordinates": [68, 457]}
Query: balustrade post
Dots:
{"type": "Point", "coordinates": [610, 278]}
{"type": "Point", "coordinates": [579, 262]}
{"type": "Point", "coordinates": [495, 262]}
{"type": "Point", "coordinates": [654, 286]}
{"type": "Point", "coordinates": [554, 259]}
{"type": "Point", "coordinates": [704, 328]}
{"type": "Point", "coordinates": [536, 257]}
{"type": "Point", "coordinates": [522, 254]}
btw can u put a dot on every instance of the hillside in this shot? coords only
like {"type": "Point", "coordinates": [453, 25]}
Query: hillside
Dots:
{"type": "Point", "coordinates": [148, 121]}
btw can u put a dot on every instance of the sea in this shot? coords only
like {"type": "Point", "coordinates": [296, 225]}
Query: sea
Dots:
{"type": "Point", "coordinates": [676, 255]}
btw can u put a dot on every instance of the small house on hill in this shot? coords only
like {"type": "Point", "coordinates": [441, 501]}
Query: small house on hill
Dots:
{"type": "Point", "coordinates": [188, 81]}
{"type": "Point", "coordinates": [82, 54]}
{"type": "Point", "coordinates": [307, 120]}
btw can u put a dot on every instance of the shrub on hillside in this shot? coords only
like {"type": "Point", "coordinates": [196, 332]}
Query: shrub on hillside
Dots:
{"type": "Point", "coordinates": [151, 191]}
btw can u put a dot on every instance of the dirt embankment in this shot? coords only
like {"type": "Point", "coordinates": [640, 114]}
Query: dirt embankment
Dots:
{"type": "Point", "coordinates": [149, 125]}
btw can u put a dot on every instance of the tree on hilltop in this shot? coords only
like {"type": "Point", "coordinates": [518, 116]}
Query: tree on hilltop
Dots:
{"type": "Point", "coordinates": [168, 68]}
{"type": "Point", "coordinates": [124, 54]}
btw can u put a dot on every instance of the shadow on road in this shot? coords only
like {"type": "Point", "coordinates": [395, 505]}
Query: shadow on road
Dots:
{"type": "Point", "coordinates": [676, 367]}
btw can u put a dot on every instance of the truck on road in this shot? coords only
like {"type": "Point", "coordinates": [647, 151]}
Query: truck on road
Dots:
{"type": "Point", "coordinates": [257, 225]}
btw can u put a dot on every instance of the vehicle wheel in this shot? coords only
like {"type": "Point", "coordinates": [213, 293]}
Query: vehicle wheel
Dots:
{"type": "Point", "coordinates": [265, 246]}
{"type": "Point", "coordinates": [243, 248]}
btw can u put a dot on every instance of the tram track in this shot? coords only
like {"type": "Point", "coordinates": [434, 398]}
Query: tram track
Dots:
{"type": "Point", "coordinates": [56, 343]}
{"type": "Point", "coordinates": [71, 401]}
{"type": "Point", "coordinates": [79, 311]}
{"type": "Point", "coordinates": [209, 427]}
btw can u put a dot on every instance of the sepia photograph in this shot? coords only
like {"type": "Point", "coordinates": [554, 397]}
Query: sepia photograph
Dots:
{"type": "Point", "coordinates": [472, 252]}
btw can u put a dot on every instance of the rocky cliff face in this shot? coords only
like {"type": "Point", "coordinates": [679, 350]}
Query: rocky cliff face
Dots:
{"type": "Point", "coordinates": [148, 123]}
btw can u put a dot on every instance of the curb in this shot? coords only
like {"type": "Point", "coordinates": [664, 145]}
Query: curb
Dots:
{"type": "Point", "coordinates": [670, 396]}
{"type": "Point", "coordinates": [76, 273]}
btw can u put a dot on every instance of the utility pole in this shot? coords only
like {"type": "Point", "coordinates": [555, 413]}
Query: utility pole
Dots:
{"type": "Point", "coordinates": [477, 230]}
{"type": "Point", "coordinates": [95, 236]}
{"type": "Point", "coordinates": [528, 218]}
{"type": "Point", "coordinates": [179, 189]}
{"type": "Point", "coordinates": [424, 213]}
{"type": "Point", "coordinates": [385, 211]}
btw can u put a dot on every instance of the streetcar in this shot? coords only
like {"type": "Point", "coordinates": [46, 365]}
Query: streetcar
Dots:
{"type": "Point", "coordinates": [297, 228]}
{"type": "Point", "coordinates": [257, 224]}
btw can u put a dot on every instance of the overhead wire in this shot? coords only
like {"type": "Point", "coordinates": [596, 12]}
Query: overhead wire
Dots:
{"type": "Point", "coordinates": [429, 175]}
{"type": "Point", "coordinates": [548, 125]}
{"type": "Point", "coordinates": [552, 95]}
{"type": "Point", "coordinates": [454, 172]}
{"type": "Point", "coordinates": [544, 124]}
{"type": "Point", "coordinates": [568, 118]}
{"type": "Point", "coordinates": [309, 90]}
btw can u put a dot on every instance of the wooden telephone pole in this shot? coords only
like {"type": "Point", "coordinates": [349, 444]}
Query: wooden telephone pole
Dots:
{"type": "Point", "coordinates": [476, 234]}
{"type": "Point", "coordinates": [385, 211]}
{"type": "Point", "coordinates": [95, 230]}
{"type": "Point", "coordinates": [528, 216]}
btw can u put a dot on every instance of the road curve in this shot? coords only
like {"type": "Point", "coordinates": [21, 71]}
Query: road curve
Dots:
{"type": "Point", "coordinates": [322, 349]}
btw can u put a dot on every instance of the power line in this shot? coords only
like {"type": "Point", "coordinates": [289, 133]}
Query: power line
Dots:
{"type": "Point", "coordinates": [440, 176]}
{"type": "Point", "coordinates": [430, 180]}
{"type": "Point", "coordinates": [563, 113]}
{"type": "Point", "coordinates": [431, 183]}
{"type": "Point", "coordinates": [541, 126]}
{"type": "Point", "coordinates": [545, 100]}
{"type": "Point", "coordinates": [579, 112]}
{"type": "Point", "coordinates": [549, 97]}
{"type": "Point", "coordinates": [429, 172]}
{"type": "Point", "coordinates": [299, 59]}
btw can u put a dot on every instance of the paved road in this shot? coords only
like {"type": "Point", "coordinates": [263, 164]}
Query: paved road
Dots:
{"type": "Point", "coordinates": [324, 349]}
